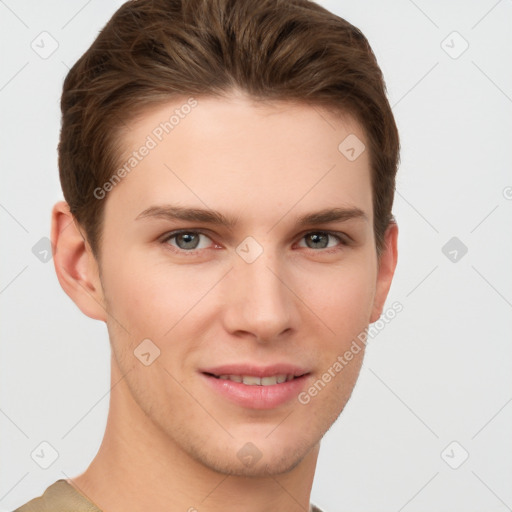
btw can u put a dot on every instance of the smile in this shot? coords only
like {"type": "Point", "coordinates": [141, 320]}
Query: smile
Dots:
{"type": "Point", "coordinates": [256, 387]}
{"type": "Point", "coordinates": [252, 380]}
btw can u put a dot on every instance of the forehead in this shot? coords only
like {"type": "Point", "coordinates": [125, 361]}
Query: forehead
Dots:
{"type": "Point", "coordinates": [235, 154]}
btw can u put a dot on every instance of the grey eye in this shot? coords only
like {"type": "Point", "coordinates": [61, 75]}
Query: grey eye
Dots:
{"type": "Point", "coordinates": [317, 240]}
{"type": "Point", "coordinates": [187, 240]}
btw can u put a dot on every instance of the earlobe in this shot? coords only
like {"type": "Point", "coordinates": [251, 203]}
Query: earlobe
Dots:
{"type": "Point", "coordinates": [76, 267]}
{"type": "Point", "coordinates": [386, 269]}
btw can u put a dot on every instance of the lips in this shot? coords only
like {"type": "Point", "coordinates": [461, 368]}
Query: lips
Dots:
{"type": "Point", "coordinates": [255, 370]}
{"type": "Point", "coordinates": [252, 380]}
{"type": "Point", "coordinates": [256, 387]}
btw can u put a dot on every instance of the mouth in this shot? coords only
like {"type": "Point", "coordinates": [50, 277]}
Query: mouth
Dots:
{"type": "Point", "coordinates": [253, 380]}
{"type": "Point", "coordinates": [256, 387]}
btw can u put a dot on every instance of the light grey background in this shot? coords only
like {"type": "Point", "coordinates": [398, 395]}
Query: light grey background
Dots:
{"type": "Point", "coordinates": [439, 372]}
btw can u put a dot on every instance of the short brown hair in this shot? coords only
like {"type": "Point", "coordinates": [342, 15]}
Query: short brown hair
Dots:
{"type": "Point", "coordinates": [152, 51]}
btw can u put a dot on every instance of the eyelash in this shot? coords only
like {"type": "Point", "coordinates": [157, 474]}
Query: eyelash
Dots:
{"type": "Point", "coordinates": [341, 237]}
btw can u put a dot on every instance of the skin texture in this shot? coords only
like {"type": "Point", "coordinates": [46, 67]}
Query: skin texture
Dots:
{"type": "Point", "coordinates": [171, 441]}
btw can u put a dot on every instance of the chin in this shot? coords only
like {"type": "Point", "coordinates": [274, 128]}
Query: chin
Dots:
{"type": "Point", "coordinates": [259, 459]}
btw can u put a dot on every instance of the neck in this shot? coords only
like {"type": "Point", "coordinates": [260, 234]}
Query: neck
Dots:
{"type": "Point", "coordinates": [139, 467]}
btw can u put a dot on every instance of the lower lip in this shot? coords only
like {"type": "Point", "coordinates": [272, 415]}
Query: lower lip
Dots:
{"type": "Point", "coordinates": [257, 397]}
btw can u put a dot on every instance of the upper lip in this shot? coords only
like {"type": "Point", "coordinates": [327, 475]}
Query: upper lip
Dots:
{"type": "Point", "coordinates": [255, 370]}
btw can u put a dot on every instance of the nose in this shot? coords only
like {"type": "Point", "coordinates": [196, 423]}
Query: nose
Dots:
{"type": "Point", "coordinates": [258, 302]}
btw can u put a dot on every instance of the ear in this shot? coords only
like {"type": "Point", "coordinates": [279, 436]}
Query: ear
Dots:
{"type": "Point", "coordinates": [386, 269]}
{"type": "Point", "coordinates": [76, 267]}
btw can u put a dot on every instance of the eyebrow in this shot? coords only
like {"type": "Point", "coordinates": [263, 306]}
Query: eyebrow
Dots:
{"type": "Point", "coordinates": [171, 212]}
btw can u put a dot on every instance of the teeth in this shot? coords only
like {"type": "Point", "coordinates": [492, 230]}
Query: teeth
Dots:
{"type": "Point", "coordinates": [251, 380]}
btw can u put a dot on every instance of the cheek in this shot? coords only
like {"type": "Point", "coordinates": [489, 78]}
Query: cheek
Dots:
{"type": "Point", "coordinates": [149, 299]}
{"type": "Point", "coordinates": [135, 296]}
{"type": "Point", "coordinates": [342, 298]}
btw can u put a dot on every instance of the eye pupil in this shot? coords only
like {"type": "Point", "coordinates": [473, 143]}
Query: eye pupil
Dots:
{"type": "Point", "coordinates": [190, 240]}
{"type": "Point", "coordinates": [319, 240]}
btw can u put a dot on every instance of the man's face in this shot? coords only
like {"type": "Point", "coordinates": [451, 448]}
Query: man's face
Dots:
{"type": "Point", "coordinates": [266, 296]}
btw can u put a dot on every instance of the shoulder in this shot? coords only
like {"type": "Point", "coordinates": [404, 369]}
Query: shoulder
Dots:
{"type": "Point", "coordinates": [59, 497]}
